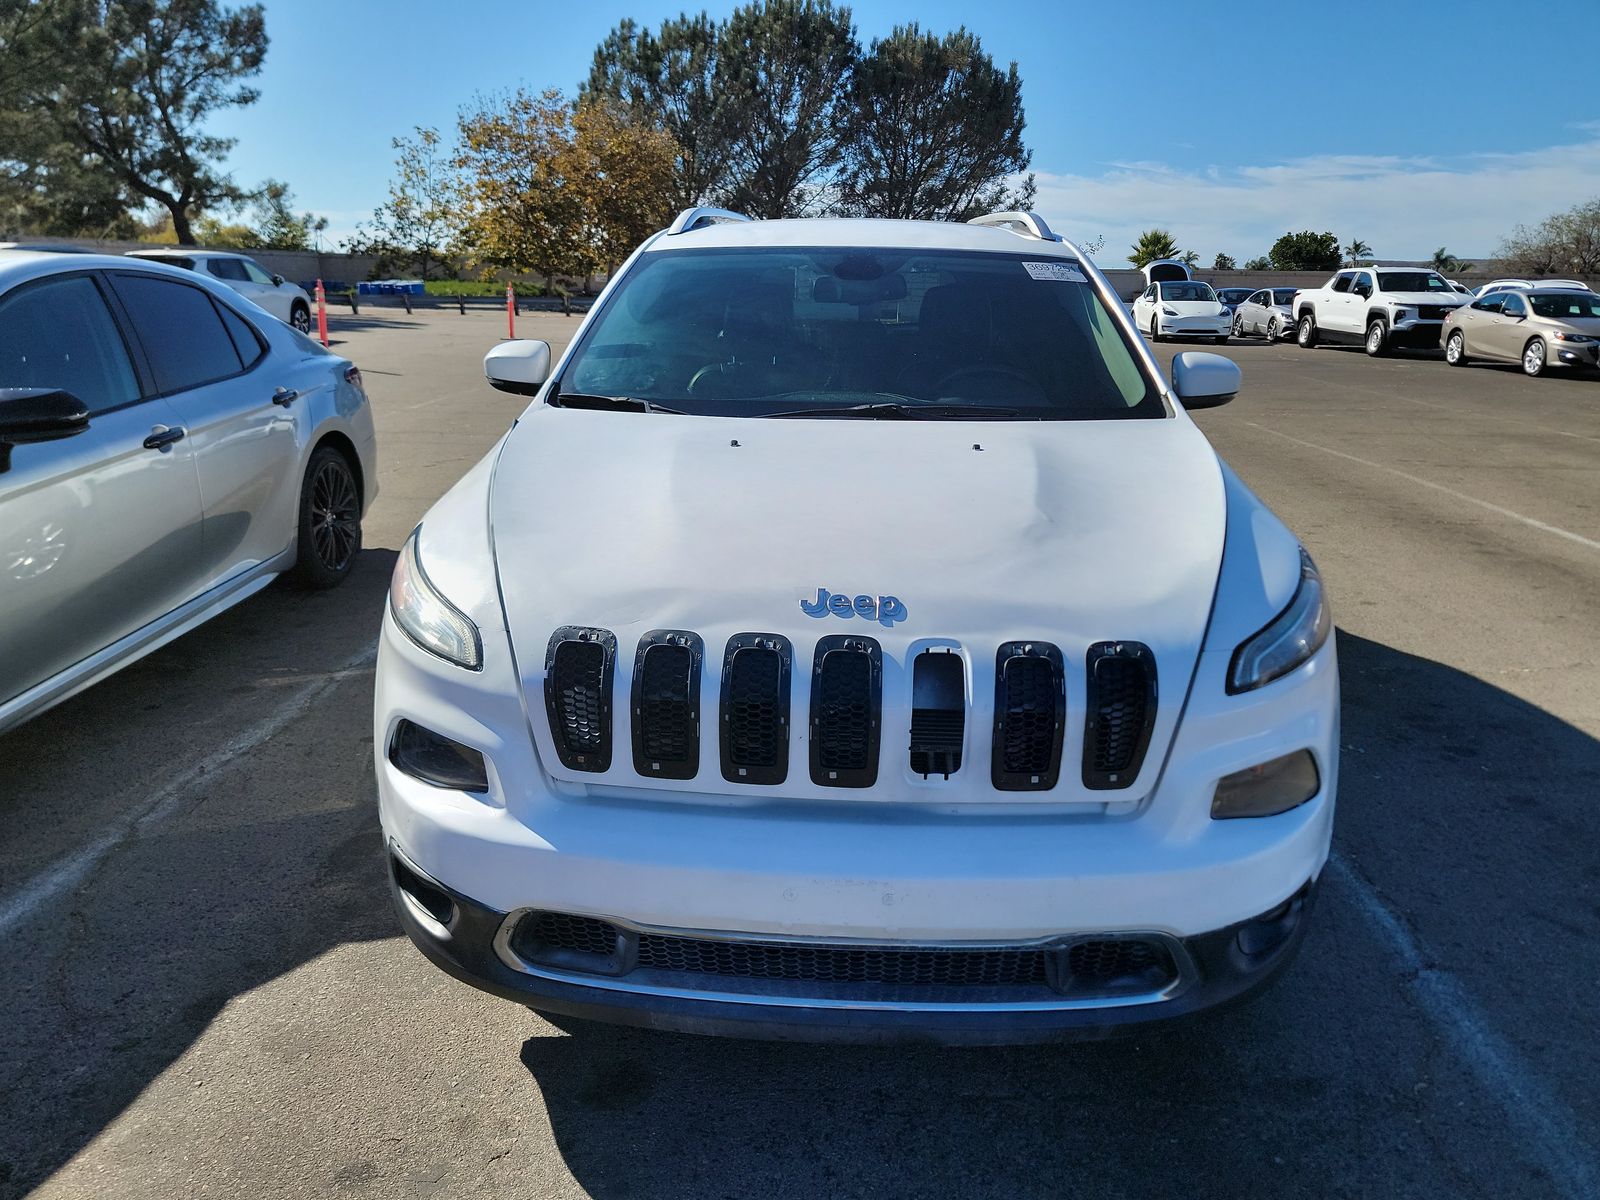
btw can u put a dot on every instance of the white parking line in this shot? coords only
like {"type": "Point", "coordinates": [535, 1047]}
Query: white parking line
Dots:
{"type": "Point", "coordinates": [1544, 1123]}
{"type": "Point", "coordinates": [1532, 522]}
{"type": "Point", "coordinates": [71, 870]}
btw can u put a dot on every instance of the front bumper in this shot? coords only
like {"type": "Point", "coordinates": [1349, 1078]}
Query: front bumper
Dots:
{"type": "Point", "coordinates": [1416, 335]}
{"type": "Point", "coordinates": [467, 940]}
{"type": "Point", "coordinates": [1572, 354]}
{"type": "Point", "coordinates": [1208, 327]}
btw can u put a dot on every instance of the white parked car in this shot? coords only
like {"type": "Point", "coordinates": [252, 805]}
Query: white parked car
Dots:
{"type": "Point", "coordinates": [1182, 308]}
{"type": "Point", "coordinates": [1381, 308]}
{"type": "Point", "coordinates": [1523, 285]}
{"type": "Point", "coordinates": [284, 300]}
{"type": "Point", "coordinates": [165, 451]}
{"type": "Point", "coordinates": [856, 638]}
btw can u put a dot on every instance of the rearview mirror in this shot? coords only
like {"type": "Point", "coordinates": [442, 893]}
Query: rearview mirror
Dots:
{"type": "Point", "coordinates": [1204, 380]}
{"type": "Point", "coordinates": [37, 415]}
{"type": "Point", "coordinates": [519, 366]}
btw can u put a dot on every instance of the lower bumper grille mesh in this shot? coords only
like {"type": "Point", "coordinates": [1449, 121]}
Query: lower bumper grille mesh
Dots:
{"type": "Point", "coordinates": [1092, 967]}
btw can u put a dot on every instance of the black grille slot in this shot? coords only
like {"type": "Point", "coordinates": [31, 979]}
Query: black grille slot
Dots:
{"type": "Point", "coordinates": [846, 702]}
{"type": "Point", "coordinates": [577, 694]}
{"type": "Point", "coordinates": [755, 709]}
{"type": "Point", "coordinates": [1122, 966]}
{"type": "Point", "coordinates": [938, 713]}
{"type": "Point", "coordinates": [1121, 680]}
{"type": "Point", "coordinates": [570, 942]}
{"type": "Point", "coordinates": [666, 705]}
{"type": "Point", "coordinates": [804, 963]}
{"type": "Point", "coordinates": [1029, 713]}
{"type": "Point", "coordinates": [1432, 312]}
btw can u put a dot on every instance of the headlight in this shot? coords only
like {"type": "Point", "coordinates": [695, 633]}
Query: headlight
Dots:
{"type": "Point", "coordinates": [1575, 338]}
{"type": "Point", "coordinates": [1400, 314]}
{"type": "Point", "coordinates": [1168, 312]}
{"type": "Point", "coordinates": [1293, 636]}
{"type": "Point", "coordinates": [428, 619]}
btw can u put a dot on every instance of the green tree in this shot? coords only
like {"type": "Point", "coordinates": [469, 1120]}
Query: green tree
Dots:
{"type": "Point", "coordinates": [1448, 264]}
{"type": "Point", "coordinates": [416, 223]}
{"type": "Point", "coordinates": [623, 173]}
{"type": "Point", "coordinates": [782, 72]}
{"type": "Point", "coordinates": [1223, 262]}
{"type": "Point", "coordinates": [1261, 263]}
{"type": "Point", "coordinates": [144, 78]}
{"type": "Point", "coordinates": [1356, 251]}
{"type": "Point", "coordinates": [1152, 244]}
{"type": "Point", "coordinates": [1566, 243]}
{"type": "Point", "coordinates": [668, 78]}
{"type": "Point", "coordinates": [1305, 251]}
{"type": "Point", "coordinates": [935, 130]}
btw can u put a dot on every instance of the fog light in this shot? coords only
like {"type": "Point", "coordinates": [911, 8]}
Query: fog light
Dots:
{"type": "Point", "coordinates": [1267, 788]}
{"type": "Point", "coordinates": [434, 758]}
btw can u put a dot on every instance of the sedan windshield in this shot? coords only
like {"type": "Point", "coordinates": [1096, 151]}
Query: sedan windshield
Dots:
{"type": "Point", "coordinates": [863, 334]}
{"type": "Point", "coordinates": [1234, 295]}
{"type": "Point", "coordinates": [1283, 295]}
{"type": "Point", "coordinates": [1414, 281]}
{"type": "Point", "coordinates": [1565, 306]}
{"type": "Point", "coordinates": [1188, 291]}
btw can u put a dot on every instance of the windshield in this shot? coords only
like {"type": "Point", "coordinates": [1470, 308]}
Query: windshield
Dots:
{"type": "Point", "coordinates": [1565, 306]}
{"type": "Point", "coordinates": [755, 331]}
{"type": "Point", "coordinates": [1188, 291]}
{"type": "Point", "coordinates": [1283, 295]}
{"type": "Point", "coordinates": [1234, 295]}
{"type": "Point", "coordinates": [1414, 281]}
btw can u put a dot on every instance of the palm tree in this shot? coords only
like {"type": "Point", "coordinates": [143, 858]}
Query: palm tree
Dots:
{"type": "Point", "coordinates": [1448, 264]}
{"type": "Point", "coordinates": [1153, 244]}
{"type": "Point", "coordinates": [1356, 251]}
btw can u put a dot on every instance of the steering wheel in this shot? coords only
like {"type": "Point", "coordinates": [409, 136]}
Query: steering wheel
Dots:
{"type": "Point", "coordinates": [716, 368]}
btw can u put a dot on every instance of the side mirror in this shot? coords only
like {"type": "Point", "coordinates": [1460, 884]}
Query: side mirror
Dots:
{"type": "Point", "coordinates": [277, 281]}
{"type": "Point", "coordinates": [1363, 291]}
{"type": "Point", "coordinates": [520, 366]}
{"type": "Point", "coordinates": [1204, 380]}
{"type": "Point", "coordinates": [37, 415]}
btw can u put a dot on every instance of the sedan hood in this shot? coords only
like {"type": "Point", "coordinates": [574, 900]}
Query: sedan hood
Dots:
{"type": "Point", "coordinates": [1194, 308]}
{"type": "Point", "coordinates": [1070, 532]}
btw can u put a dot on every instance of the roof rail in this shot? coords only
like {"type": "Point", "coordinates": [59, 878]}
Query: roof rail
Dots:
{"type": "Point", "coordinates": [696, 218]}
{"type": "Point", "coordinates": [1028, 224]}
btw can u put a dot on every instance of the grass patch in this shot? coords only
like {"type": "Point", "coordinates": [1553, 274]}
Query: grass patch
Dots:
{"type": "Point", "coordinates": [477, 287]}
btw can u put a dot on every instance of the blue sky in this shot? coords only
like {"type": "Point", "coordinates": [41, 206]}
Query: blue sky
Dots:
{"type": "Point", "coordinates": [1387, 121]}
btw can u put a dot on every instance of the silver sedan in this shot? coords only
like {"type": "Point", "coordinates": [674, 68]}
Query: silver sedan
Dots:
{"type": "Point", "coordinates": [166, 449]}
{"type": "Point", "coordinates": [1269, 312]}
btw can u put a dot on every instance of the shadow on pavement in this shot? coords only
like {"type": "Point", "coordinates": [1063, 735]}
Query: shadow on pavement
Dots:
{"type": "Point", "coordinates": [267, 863]}
{"type": "Point", "coordinates": [1331, 1084]}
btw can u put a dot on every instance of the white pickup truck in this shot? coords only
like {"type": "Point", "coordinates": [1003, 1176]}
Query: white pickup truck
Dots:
{"type": "Point", "coordinates": [1382, 308]}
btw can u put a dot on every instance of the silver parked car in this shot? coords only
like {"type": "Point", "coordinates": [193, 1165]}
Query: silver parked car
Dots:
{"type": "Point", "coordinates": [1269, 312]}
{"type": "Point", "coordinates": [1540, 327]}
{"type": "Point", "coordinates": [166, 449]}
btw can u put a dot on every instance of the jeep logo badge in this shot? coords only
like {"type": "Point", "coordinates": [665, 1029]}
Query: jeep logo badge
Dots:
{"type": "Point", "coordinates": [886, 610]}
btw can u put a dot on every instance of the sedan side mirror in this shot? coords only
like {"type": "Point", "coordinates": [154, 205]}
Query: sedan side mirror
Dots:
{"type": "Point", "coordinates": [519, 366]}
{"type": "Point", "coordinates": [277, 281]}
{"type": "Point", "coordinates": [37, 415]}
{"type": "Point", "coordinates": [1204, 380]}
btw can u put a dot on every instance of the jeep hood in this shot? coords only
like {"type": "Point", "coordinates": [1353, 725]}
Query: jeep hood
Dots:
{"type": "Point", "coordinates": [1069, 532]}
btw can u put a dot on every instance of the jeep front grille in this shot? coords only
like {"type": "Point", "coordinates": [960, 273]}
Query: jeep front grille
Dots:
{"type": "Point", "coordinates": [844, 699]}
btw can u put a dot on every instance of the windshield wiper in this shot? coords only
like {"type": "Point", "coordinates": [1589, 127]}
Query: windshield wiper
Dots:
{"type": "Point", "coordinates": [894, 411]}
{"type": "Point", "coordinates": [610, 403]}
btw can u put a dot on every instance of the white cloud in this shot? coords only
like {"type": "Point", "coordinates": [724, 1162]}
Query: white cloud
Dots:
{"type": "Point", "coordinates": [1403, 207]}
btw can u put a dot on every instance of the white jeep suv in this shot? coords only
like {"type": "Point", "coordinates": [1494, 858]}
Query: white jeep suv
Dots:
{"type": "Point", "coordinates": [856, 638]}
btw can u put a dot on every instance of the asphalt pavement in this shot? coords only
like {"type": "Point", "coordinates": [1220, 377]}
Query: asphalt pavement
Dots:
{"type": "Point", "coordinates": [205, 992]}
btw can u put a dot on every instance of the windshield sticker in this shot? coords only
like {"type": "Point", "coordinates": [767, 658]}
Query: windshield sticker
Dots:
{"type": "Point", "coordinates": [1057, 272]}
